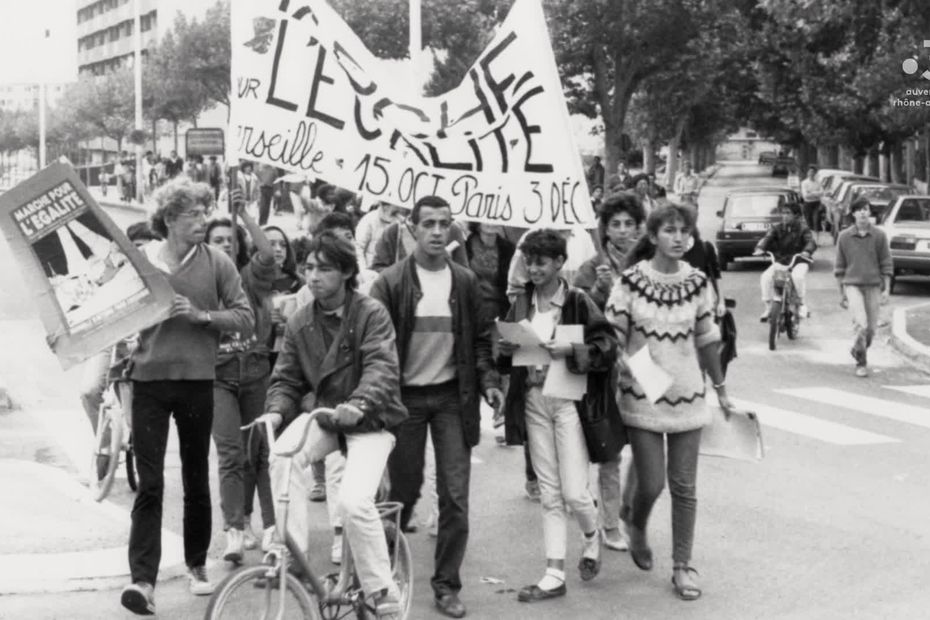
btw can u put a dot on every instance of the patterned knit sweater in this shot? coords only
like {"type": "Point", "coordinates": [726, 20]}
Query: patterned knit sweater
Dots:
{"type": "Point", "coordinates": [673, 315]}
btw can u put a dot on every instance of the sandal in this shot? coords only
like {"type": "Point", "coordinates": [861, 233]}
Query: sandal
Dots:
{"type": "Point", "coordinates": [686, 592]}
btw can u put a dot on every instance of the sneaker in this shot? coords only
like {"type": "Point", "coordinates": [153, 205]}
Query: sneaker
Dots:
{"type": "Point", "coordinates": [234, 546]}
{"type": "Point", "coordinates": [590, 564]}
{"type": "Point", "coordinates": [532, 490]}
{"type": "Point", "coordinates": [268, 539]}
{"type": "Point", "coordinates": [335, 554]}
{"type": "Point", "coordinates": [387, 604]}
{"type": "Point", "coordinates": [804, 311]}
{"type": "Point", "coordinates": [139, 598]}
{"type": "Point", "coordinates": [200, 585]}
{"type": "Point", "coordinates": [862, 371]}
{"type": "Point", "coordinates": [764, 317]}
{"type": "Point", "coordinates": [318, 492]}
{"type": "Point", "coordinates": [249, 541]}
{"type": "Point", "coordinates": [616, 540]}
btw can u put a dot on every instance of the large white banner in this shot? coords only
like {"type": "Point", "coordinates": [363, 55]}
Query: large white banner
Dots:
{"type": "Point", "coordinates": [309, 97]}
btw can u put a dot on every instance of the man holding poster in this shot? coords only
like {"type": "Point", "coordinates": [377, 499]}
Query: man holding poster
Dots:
{"type": "Point", "coordinates": [172, 372]}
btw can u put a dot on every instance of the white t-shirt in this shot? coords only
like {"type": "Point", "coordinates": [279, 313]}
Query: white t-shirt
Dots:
{"type": "Point", "coordinates": [431, 350]}
{"type": "Point", "coordinates": [811, 190]}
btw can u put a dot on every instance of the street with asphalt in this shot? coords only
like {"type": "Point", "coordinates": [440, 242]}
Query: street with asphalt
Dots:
{"type": "Point", "coordinates": [831, 524]}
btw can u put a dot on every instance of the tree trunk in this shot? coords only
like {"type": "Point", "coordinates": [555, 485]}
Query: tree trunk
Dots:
{"type": "Point", "coordinates": [175, 136]}
{"type": "Point", "coordinates": [649, 156]}
{"type": "Point", "coordinates": [844, 160]}
{"type": "Point", "coordinates": [671, 165]}
{"type": "Point", "coordinates": [910, 161]}
{"type": "Point", "coordinates": [894, 162]}
{"type": "Point", "coordinates": [155, 136]}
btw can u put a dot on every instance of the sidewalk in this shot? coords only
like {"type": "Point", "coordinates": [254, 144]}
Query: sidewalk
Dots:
{"type": "Point", "coordinates": [55, 537]}
{"type": "Point", "coordinates": [910, 334]}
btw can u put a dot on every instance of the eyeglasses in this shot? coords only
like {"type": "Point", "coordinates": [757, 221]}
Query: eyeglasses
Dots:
{"type": "Point", "coordinates": [195, 214]}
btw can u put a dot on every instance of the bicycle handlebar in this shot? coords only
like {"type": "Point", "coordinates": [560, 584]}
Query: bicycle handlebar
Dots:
{"type": "Point", "coordinates": [794, 259]}
{"type": "Point", "coordinates": [269, 430]}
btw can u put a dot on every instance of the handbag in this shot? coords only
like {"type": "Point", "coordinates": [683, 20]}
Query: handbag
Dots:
{"type": "Point", "coordinates": [604, 432]}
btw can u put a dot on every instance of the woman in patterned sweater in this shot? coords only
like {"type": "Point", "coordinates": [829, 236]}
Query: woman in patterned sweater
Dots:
{"type": "Point", "coordinates": [662, 303]}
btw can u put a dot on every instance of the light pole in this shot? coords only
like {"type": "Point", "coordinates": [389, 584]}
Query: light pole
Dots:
{"type": "Point", "coordinates": [416, 43]}
{"type": "Point", "coordinates": [137, 71]}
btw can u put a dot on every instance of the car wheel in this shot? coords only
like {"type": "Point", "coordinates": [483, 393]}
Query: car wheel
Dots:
{"type": "Point", "coordinates": [891, 284]}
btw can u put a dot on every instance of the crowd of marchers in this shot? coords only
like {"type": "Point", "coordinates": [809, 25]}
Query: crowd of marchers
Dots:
{"type": "Point", "coordinates": [388, 319]}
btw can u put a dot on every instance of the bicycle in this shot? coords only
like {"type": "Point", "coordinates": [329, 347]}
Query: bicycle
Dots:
{"type": "Point", "coordinates": [333, 597]}
{"type": "Point", "coordinates": [113, 437]}
{"type": "Point", "coordinates": [784, 311]}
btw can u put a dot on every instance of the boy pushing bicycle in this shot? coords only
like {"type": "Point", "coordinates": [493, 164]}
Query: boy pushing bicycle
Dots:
{"type": "Point", "coordinates": [340, 352]}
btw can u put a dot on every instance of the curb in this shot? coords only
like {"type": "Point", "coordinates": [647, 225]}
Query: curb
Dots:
{"type": "Point", "coordinates": [903, 343]}
{"type": "Point", "coordinates": [96, 569]}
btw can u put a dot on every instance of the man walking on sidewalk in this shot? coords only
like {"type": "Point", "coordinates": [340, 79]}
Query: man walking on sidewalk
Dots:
{"type": "Point", "coordinates": [863, 269]}
{"type": "Point", "coordinates": [444, 352]}
{"type": "Point", "coordinates": [172, 372]}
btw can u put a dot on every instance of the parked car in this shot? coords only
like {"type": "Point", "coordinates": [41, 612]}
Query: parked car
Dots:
{"type": "Point", "coordinates": [783, 165]}
{"type": "Point", "coordinates": [746, 217]}
{"type": "Point", "coordinates": [832, 202]}
{"type": "Point", "coordinates": [879, 195]}
{"type": "Point", "coordinates": [767, 157]}
{"type": "Point", "coordinates": [831, 182]}
{"type": "Point", "coordinates": [907, 224]}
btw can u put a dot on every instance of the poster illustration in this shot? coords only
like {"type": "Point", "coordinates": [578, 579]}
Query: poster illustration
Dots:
{"type": "Point", "coordinates": [92, 287]}
{"type": "Point", "coordinates": [308, 97]}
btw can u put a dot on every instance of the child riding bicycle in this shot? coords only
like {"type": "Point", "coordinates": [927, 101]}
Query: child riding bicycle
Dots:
{"type": "Point", "coordinates": [340, 352]}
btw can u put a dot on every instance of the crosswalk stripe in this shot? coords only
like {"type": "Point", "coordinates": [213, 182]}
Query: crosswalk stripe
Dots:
{"type": "Point", "coordinates": [916, 390]}
{"type": "Point", "coordinates": [878, 407]}
{"type": "Point", "coordinates": [809, 426]}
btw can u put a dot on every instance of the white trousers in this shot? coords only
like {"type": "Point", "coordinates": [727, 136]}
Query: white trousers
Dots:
{"type": "Point", "coordinates": [354, 499]}
{"type": "Point", "coordinates": [560, 459]}
{"type": "Point", "coordinates": [767, 282]}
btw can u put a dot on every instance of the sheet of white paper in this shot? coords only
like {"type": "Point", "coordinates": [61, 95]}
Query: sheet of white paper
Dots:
{"type": "Point", "coordinates": [529, 353]}
{"type": "Point", "coordinates": [651, 377]}
{"type": "Point", "coordinates": [560, 383]}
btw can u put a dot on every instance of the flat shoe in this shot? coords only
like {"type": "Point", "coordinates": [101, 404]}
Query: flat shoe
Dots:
{"type": "Point", "coordinates": [531, 594]}
{"type": "Point", "coordinates": [686, 592]}
{"type": "Point", "coordinates": [589, 568]}
{"type": "Point", "coordinates": [642, 557]}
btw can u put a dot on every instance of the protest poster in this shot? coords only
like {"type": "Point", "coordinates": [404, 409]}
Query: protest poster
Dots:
{"type": "Point", "coordinates": [91, 285]}
{"type": "Point", "coordinates": [308, 97]}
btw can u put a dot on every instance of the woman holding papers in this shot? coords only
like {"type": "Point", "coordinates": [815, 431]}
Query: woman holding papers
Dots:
{"type": "Point", "coordinates": [537, 411]}
{"type": "Point", "coordinates": [663, 312]}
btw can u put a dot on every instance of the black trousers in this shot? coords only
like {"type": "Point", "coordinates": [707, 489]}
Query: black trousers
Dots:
{"type": "Point", "coordinates": [811, 212]}
{"type": "Point", "coordinates": [439, 409]}
{"type": "Point", "coordinates": [154, 402]}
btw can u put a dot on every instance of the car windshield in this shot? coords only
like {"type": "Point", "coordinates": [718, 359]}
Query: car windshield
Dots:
{"type": "Point", "coordinates": [913, 210]}
{"type": "Point", "coordinates": [755, 205]}
{"type": "Point", "coordinates": [881, 194]}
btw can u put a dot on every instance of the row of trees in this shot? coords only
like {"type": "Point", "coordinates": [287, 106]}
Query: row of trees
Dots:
{"type": "Point", "coordinates": [820, 78]}
{"type": "Point", "coordinates": [187, 73]}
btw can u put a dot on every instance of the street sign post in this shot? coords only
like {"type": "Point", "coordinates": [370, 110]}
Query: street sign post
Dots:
{"type": "Point", "coordinates": [204, 141]}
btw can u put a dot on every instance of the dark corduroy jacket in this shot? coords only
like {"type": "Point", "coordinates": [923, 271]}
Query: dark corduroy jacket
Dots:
{"type": "Point", "coordinates": [361, 364]}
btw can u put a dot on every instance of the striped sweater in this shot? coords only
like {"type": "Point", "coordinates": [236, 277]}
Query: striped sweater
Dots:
{"type": "Point", "coordinates": [673, 315]}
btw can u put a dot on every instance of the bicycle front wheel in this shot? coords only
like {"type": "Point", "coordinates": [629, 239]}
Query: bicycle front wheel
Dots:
{"type": "Point", "coordinates": [402, 569]}
{"type": "Point", "coordinates": [248, 594]}
{"type": "Point", "coordinates": [107, 447]}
